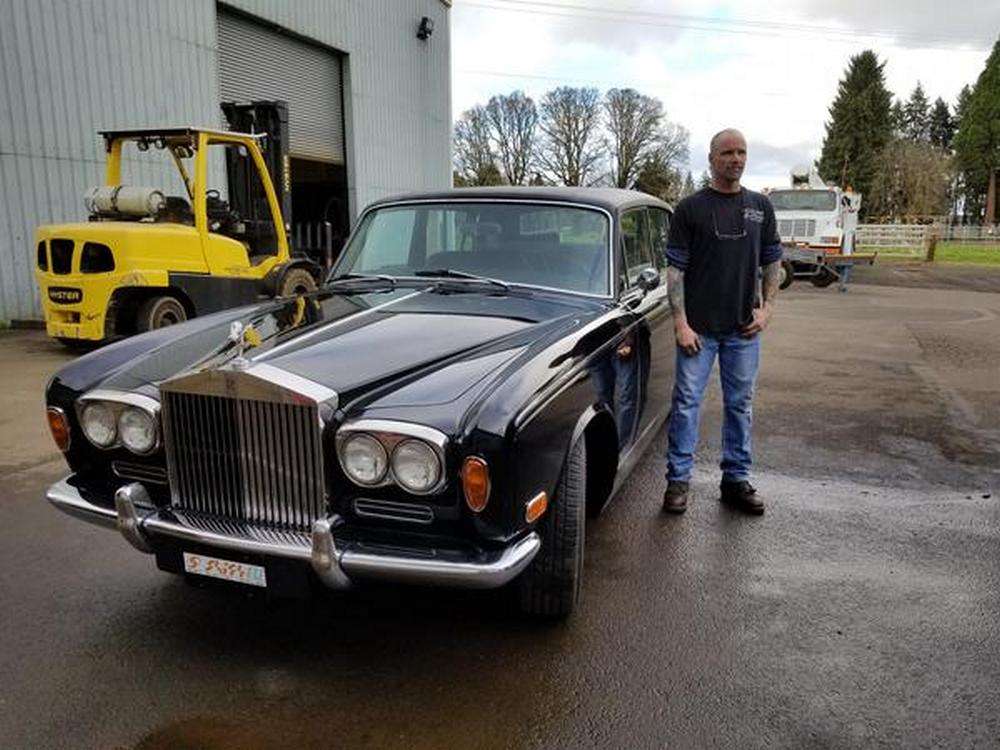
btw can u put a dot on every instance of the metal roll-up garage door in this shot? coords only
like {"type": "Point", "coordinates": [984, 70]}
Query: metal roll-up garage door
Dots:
{"type": "Point", "coordinates": [258, 63]}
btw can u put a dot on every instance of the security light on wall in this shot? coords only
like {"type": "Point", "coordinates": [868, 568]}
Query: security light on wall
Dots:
{"type": "Point", "coordinates": [425, 29]}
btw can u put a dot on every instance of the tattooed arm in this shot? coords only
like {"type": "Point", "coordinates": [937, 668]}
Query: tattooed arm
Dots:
{"type": "Point", "coordinates": [687, 339]}
{"type": "Point", "coordinates": [771, 273]}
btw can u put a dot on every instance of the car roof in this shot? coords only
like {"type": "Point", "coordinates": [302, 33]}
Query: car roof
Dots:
{"type": "Point", "coordinates": [610, 199]}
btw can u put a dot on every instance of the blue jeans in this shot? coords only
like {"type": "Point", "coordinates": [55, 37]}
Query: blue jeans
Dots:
{"type": "Point", "coordinates": [739, 360]}
{"type": "Point", "coordinates": [616, 376]}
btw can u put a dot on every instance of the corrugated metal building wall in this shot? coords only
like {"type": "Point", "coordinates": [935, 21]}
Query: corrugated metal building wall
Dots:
{"type": "Point", "coordinates": [68, 69]}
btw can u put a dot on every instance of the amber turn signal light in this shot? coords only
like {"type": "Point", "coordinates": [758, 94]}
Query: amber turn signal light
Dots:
{"type": "Point", "coordinates": [536, 507]}
{"type": "Point", "coordinates": [476, 483]}
{"type": "Point", "coordinates": [59, 427]}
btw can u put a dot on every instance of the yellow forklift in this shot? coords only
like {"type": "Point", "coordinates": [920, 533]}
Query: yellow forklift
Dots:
{"type": "Point", "coordinates": [148, 258]}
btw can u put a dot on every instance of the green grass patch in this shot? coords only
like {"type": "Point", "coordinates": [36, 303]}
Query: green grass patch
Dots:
{"type": "Point", "coordinates": [947, 252]}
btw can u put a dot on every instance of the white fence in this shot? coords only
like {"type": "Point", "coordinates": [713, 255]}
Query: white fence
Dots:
{"type": "Point", "coordinates": [914, 235]}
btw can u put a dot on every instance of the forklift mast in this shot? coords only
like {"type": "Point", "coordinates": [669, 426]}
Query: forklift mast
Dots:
{"type": "Point", "coordinates": [246, 195]}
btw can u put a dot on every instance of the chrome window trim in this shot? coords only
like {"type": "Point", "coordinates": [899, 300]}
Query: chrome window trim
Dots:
{"type": "Point", "coordinates": [124, 399]}
{"type": "Point", "coordinates": [437, 440]}
{"type": "Point", "coordinates": [518, 201]}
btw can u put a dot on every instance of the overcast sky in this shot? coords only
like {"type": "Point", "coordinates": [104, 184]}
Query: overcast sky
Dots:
{"type": "Point", "coordinates": [770, 69]}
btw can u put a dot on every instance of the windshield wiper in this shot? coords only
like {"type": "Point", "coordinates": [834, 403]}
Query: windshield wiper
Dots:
{"type": "Point", "coordinates": [361, 279]}
{"type": "Point", "coordinates": [450, 273]}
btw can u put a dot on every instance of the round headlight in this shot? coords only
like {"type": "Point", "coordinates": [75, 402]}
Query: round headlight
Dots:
{"type": "Point", "coordinates": [99, 424]}
{"type": "Point", "coordinates": [137, 429]}
{"type": "Point", "coordinates": [364, 459]}
{"type": "Point", "coordinates": [415, 466]}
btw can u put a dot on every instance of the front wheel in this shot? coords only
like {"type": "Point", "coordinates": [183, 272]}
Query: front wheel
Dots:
{"type": "Point", "coordinates": [550, 588]}
{"type": "Point", "coordinates": [159, 312]}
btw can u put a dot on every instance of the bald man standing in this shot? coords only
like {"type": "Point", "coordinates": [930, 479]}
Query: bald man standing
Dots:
{"type": "Point", "coordinates": [719, 238]}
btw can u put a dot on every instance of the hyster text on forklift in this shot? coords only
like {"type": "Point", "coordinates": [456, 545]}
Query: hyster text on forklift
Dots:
{"type": "Point", "coordinates": [148, 259]}
{"type": "Point", "coordinates": [817, 224]}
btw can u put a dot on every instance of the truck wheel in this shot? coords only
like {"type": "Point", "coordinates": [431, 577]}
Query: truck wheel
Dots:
{"type": "Point", "coordinates": [824, 278]}
{"type": "Point", "coordinates": [159, 312]}
{"type": "Point", "coordinates": [787, 275]}
{"type": "Point", "coordinates": [296, 281]}
{"type": "Point", "coordinates": [550, 588]}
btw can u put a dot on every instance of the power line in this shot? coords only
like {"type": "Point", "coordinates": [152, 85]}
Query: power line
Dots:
{"type": "Point", "coordinates": [743, 26]}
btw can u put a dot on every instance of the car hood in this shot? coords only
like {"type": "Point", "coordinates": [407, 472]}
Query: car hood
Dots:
{"type": "Point", "coordinates": [350, 343]}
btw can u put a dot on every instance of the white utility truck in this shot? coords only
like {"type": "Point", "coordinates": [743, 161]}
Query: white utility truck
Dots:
{"type": "Point", "coordinates": [817, 224]}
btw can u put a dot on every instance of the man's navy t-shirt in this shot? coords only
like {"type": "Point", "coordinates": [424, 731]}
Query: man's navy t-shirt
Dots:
{"type": "Point", "coordinates": [719, 240]}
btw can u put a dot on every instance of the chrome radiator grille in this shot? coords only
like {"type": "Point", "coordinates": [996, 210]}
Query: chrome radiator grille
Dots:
{"type": "Point", "coordinates": [796, 228]}
{"type": "Point", "coordinates": [246, 460]}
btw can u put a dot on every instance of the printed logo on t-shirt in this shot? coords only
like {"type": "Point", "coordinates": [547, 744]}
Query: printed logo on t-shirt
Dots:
{"type": "Point", "coordinates": [754, 215]}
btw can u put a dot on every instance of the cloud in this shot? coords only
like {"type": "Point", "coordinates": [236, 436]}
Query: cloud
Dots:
{"type": "Point", "coordinates": [773, 82]}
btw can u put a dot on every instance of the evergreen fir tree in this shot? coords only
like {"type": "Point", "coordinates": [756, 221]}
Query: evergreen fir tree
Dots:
{"type": "Point", "coordinates": [962, 104]}
{"type": "Point", "coordinates": [977, 142]}
{"type": "Point", "coordinates": [916, 116]}
{"type": "Point", "coordinates": [942, 127]}
{"type": "Point", "coordinates": [898, 116]}
{"type": "Point", "coordinates": [688, 185]}
{"type": "Point", "coordinates": [860, 124]}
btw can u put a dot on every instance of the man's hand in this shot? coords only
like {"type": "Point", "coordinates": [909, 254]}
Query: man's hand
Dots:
{"type": "Point", "coordinates": [761, 317]}
{"type": "Point", "coordinates": [687, 339]}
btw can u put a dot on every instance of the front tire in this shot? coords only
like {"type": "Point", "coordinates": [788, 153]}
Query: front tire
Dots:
{"type": "Point", "coordinates": [550, 588]}
{"type": "Point", "coordinates": [159, 312]}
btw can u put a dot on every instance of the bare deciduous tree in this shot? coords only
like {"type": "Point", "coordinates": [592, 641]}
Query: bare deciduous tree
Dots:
{"type": "Point", "coordinates": [912, 182]}
{"type": "Point", "coordinates": [513, 119]}
{"type": "Point", "coordinates": [633, 125]}
{"type": "Point", "coordinates": [569, 119]}
{"type": "Point", "coordinates": [475, 160]}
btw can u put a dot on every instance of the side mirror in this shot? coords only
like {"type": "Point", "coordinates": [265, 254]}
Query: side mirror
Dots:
{"type": "Point", "coordinates": [649, 279]}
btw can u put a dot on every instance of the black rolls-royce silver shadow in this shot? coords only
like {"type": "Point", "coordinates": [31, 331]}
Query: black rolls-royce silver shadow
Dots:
{"type": "Point", "coordinates": [476, 377]}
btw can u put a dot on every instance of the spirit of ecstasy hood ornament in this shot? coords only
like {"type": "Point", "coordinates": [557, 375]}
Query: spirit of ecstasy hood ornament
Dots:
{"type": "Point", "coordinates": [241, 335]}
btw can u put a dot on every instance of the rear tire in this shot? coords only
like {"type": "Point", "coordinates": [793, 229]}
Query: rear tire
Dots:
{"type": "Point", "coordinates": [296, 281]}
{"type": "Point", "coordinates": [159, 312]}
{"type": "Point", "coordinates": [824, 278]}
{"type": "Point", "coordinates": [787, 275]}
{"type": "Point", "coordinates": [551, 587]}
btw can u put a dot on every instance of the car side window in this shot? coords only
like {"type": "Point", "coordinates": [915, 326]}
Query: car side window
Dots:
{"type": "Point", "coordinates": [636, 252]}
{"type": "Point", "coordinates": [659, 230]}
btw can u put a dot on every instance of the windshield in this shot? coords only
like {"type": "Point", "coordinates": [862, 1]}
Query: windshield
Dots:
{"type": "Point", "coordinates": [803, 200]}
{"type": "Point", "coordinates": [540, 245]}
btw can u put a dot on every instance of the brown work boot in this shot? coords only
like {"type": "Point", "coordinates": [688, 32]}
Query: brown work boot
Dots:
{"type": "Point", "coordinates": [741, 495]}
{"type": "Point", "coordinates": [675, 498]}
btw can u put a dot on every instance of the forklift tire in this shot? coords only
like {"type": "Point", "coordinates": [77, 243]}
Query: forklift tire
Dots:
{"type": "Point", "coordinates": [787, 275]}
{"type": "Point", "coordinates": [159, 312]}
{"type": "Point", "coordinates": [296, 281]}
{"type": "Point", "coordinates": [824, 278]}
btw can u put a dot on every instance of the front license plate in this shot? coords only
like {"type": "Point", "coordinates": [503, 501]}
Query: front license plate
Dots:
{"type": "Point", "coordinates": [227, 570]}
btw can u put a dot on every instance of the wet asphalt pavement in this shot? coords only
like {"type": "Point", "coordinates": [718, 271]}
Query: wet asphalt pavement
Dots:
{"type": "Point", "coordinates": [860, 611]}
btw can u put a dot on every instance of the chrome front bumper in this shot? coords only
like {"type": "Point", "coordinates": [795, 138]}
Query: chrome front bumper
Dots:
{"type": "Point", "coordinates": [140, 523]}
